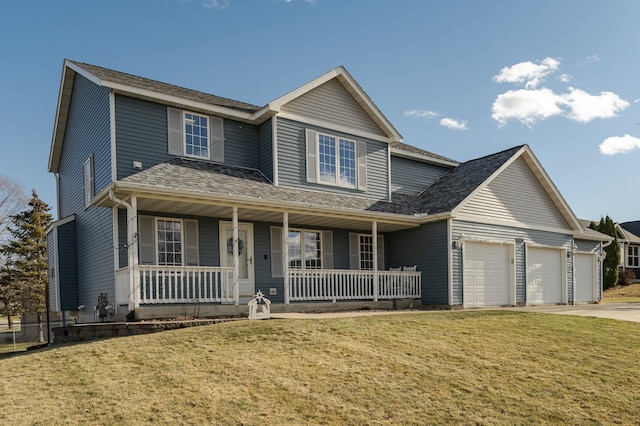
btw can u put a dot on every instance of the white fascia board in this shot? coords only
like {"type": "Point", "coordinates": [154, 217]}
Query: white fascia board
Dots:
{"type": "Point", "coordinates": [86, 74]}
{"type": "Point", "coordinates": [179, 101]}
{"type": "Point", "coordinates": [587, 237]}
{"type": "Point", "coordinates": [335, 127]}
{"type": "Point", "coordinates": [397, 152]}
{"type": "Point", "coordinates": [60, 222]}
{"type": "Point", "coordinates": [60, 120]}
{"type": "Point", "coordinates": [512, 224]}
{"type": "Point", "coordinates": [277, 103]}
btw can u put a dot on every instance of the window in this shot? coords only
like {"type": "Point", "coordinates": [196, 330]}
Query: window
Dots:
{"type": "Point", "coordinates": [334, 160]}
{"type": "Point", "coordinates": [361, 252]}
{"type": "Point", "coordinates": [87, 181]}
{"type": "Point", "coordinates": [634, 258]}
{"type": "Point", "coordinates": [196, 135]}
{"type": "Point", "coordinates": [305, 249]}
{"type": "Point", "coordinates": [169, 242]}
{"type": "Point", "coordinates": [337, 161]}
{"type": "Point", "coordinates": [366, 252]}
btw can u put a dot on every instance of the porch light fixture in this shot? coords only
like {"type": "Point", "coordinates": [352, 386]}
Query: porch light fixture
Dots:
{"type": "Point", "coordinates": [519, 240]}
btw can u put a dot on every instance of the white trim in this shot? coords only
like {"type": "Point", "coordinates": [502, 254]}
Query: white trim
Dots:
{"type": "Point", "coordinates": [334, 126]}
{"type": "Point", "coordinates": [60, 222]}
{"type": "Point", "coordinates": [88, 181]}
{"type": "Point", "coordinates": [389, 174]}
{"type": "Point", "coordinates": [450, 260]}
{"type": "Point", "coordinates": [86, 74]}
{"type": "Point", "coordinates": [274, 148]}
{"type": "Point", "coordinates": [112, 128]}
{"type": "Point", "coordinates": [56, 278]}
{"type": "Point", "coordinates": [236, 226]}
{"type": "Point", "coordinates": [116, 241]}
{"type": "Point", "coordinates": [303, 231]}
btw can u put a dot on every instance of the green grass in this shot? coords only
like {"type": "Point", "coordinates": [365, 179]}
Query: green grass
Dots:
{"type": "Point", "coordinates": [478, 367]}
{"type": "Point", "coordinates": [620, 294]}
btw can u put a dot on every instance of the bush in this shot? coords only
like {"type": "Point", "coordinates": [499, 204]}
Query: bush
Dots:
{"type": "Point", "coordinates": [626, 277]}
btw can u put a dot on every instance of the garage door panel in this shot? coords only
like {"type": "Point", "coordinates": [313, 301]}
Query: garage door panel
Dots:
{"type": "Point", "coordinates": [486, 275]}
{"type": "Point", "coordinates": [585, 277]}
{"type": "Point", "coordinates": [545, 271]}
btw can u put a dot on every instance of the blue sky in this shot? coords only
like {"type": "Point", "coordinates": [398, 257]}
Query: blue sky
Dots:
{"type": "Point", "coordinates": [462, 79]}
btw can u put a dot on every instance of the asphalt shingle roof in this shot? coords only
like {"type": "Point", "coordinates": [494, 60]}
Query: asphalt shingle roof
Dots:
{"type": "Point", "coordinates": [164, 88]}
{"type": "Point", "coordinates": [226, 180]}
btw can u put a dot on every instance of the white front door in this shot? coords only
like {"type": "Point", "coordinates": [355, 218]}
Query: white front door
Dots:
{"type": "Point", "coordinates": [245, 255]}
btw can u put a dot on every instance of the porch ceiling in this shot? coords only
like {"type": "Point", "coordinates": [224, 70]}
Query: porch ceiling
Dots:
{"type": "Point", "coordinates": [269, 215]}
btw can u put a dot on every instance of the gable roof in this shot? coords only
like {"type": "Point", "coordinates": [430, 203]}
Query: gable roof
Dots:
{"type": "Point", "coordinates": [400, 149]}
{"type": "Point", "coordinates": [172, 95]}
{"type": "Point", "coordinates": [624, 229]}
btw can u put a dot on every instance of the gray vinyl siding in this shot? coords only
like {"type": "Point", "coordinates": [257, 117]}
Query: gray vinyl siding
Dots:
{"type": "Point", "coordinates": [494, 233]}
{"type": "Point", "coordinates": [241, 144]}
{"type": "Point", "coordinates": [88, 133]}
{"type": "Point", "coordinates": [141, 135]}
{"type": "Point", "coordinates": [427, 248]}
{"type": "Point", "coordinates": [266, 149]}
{"type": "Point", "coordinates": [332, 103]}
{"type": "Point", "coordinates": [410, 177]}
{"type": "Point", "coordinates": [516, 196]}
{"type": "Point", "coordinates": [292, 161]}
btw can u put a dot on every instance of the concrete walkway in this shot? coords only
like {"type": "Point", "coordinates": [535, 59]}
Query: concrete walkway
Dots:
{"type": "Point", "coordinates": [617, 311]}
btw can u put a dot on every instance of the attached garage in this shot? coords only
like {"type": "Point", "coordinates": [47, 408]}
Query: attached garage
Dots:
{"type": "Point", "coordinates": [585, 277]}
{"type": "Point", "coordinates": [545, 275]}
{"type": "Point", "coordinates": [487, 278]}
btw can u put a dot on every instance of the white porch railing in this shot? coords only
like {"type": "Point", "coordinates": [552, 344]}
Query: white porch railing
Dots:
{"type": "Point", "coordinates": [184, 284]}
{"type": "Point", "coordinates": [342, 284]}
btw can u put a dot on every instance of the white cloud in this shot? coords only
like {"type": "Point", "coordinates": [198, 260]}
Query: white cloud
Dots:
{"type": "Point", "coordinates": [593, 58]}
{"type": "Point", "coordinates": [527, 73]}
{"type": "Point", "coordinates": [527, 106]}
{"type": "Point", "coordinates": [454, 124]}
{"type": "Point", "coordinates": [619, 145]}
{"type": "Point", "coordinates": [565, 78]}
{"type": "Point", "coordinates": [216, 4]}
{"type": "Point", "coordinates": [586, 107]}
{"type": "Point", "coordinates": [420, 113]}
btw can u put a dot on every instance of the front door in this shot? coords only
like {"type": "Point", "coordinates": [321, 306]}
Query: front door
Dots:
{"type": "Point", "coordinates": [245, 256]}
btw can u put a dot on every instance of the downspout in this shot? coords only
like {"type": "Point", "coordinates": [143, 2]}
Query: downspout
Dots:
{"type": "Point", "coordinates": [130, 262]}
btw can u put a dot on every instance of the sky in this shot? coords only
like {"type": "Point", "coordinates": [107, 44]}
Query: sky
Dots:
{"type": "Point", "coordinates": [462, 79]}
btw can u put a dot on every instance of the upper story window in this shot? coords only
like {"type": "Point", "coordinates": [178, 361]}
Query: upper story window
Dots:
{"type": "Point", "coordinates": [634, 258]}
{"type": "Point", "coordinates": [334, 160]}
{"type": "Point", "coordinates": [196, 135]}
{"type": "Point", "coordinates": [87, 181]}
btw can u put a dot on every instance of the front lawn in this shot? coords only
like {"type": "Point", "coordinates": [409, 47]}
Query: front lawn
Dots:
{"type": "Point", "coordinates": [628, 294]}
{"type": "Point", "coordinates": [478, 367]}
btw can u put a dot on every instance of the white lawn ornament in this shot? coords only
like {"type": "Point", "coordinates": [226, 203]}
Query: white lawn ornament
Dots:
{"type": "Point", "coordinates": [259, 307]}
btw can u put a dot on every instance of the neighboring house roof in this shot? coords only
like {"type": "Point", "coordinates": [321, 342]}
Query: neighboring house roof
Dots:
{"type": "Point", "coordinates": [592, 234]}
{"type": "Point", "coordinates": [626, 235]}
{"type": "Point", "coordinates": [172, 95]}
{"type": "Point", "coordinates": [632, 229]}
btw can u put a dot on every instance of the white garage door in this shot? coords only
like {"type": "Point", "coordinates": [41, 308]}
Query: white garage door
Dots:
{"type": "Point", "coordinates": [486, 274]}
{"type": "Point", "coordinates": [544, 275]}
{"type": "Point", "coordinates": [585, 277]}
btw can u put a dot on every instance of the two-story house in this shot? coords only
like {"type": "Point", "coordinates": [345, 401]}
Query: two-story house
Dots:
{"type": "Point", "coordinates": [176, 202]}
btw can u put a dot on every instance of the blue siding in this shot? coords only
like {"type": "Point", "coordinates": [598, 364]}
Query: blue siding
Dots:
{"type": "Point", "coordinates": [67, 273]}
{"type": "Point", "coordinates": [241, 144]}
{"type": "Point", "coordinates": [427, 248]}
{"type": "Point", "coordinates": [292, 161]}
{"type": "Point", "coordinates": [266, 149]}
{"type": "Point", "coordinates": [141, 135]}
{"type": "Point", "coordinates": [88, 133]}
{"type": "Point", "coordinates": [506, 234]}
{"type": "Point", "coordinates": [411, 177]}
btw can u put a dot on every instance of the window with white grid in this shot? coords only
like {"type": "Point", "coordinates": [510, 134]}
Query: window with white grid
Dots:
{"type": "Point", "coordinates": [169, 242]}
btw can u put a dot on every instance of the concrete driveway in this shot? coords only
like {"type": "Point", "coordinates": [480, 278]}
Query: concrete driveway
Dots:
{"type": "Point", "coordinates": [617, 311]}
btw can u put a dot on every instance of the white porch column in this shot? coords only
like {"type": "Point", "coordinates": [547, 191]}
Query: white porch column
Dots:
{"type": "Point", "coordinates": [374, 244]}
{"type": "Point", "coordinates": [132, 241]}
{"type": "Point", "coordinates": [285, 255]}
{"type": "Point", "coordinates": [236, 272]}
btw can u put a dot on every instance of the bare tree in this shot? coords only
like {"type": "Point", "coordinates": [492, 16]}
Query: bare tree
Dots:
{"type": "Point", "coordinates": [13, 200]}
